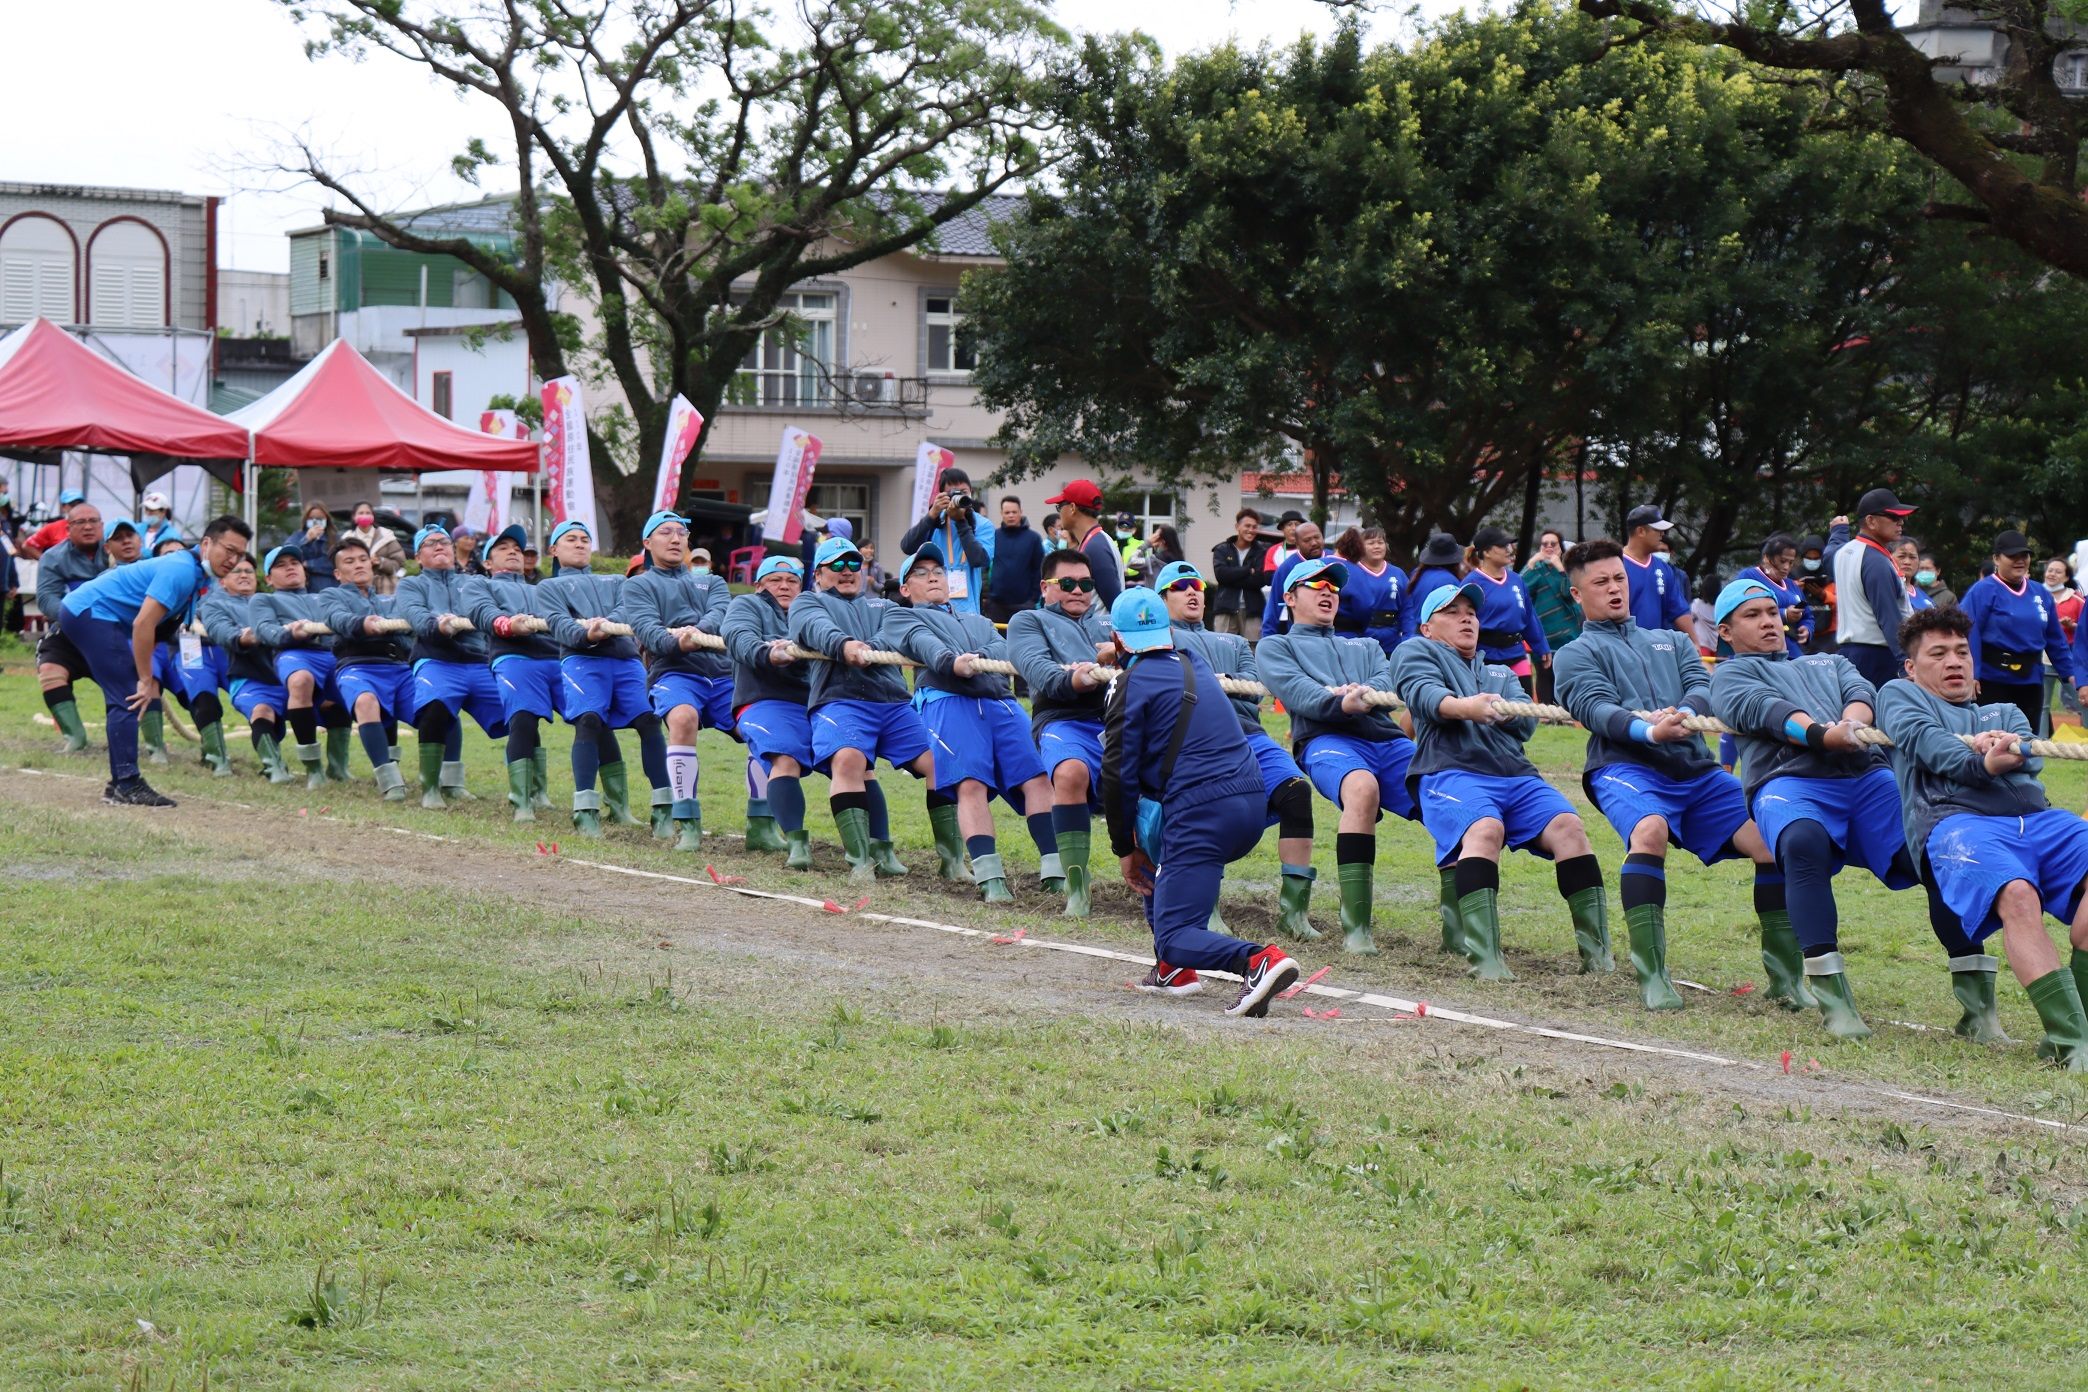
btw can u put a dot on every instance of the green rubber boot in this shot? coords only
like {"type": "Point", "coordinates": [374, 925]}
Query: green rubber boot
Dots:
{"type": "Point", "coordinates": [688, 825]}
{"type": "Point", "coordinates": [214, 752]}
{"type": "Point", "coordinates": [1358, 883]}
{"type": "Point", "coordinates": [616, 795]}
{"type": "Point", "coordinates": [800, 854]}
{"type": "Point", "coordinates": [1073, 854]}
{"type": "Point", "coordinates": [1972, 982]}
{"type": "Point", "coordinates": [540, 780]}
{"type": "Point", "coordinates": [992, 880]}
{"type": "Point", "coordinates": [431, 776]}
{"type": "Point", "coordinates": [520, 780]}
{"type": "Point", "coordinates": [663, 818]}
{"type": "Point", "coordinates": [1479, 913]}
{"type": "Point", "coordinates": [391, 783]}
{"type": "Point", "coordinates": [886, 860]}
{"type": "Point", "coordinates": [67, 714]}
{"type": "Point", "coordinates": [1827, 976]}
{"type": "Point", "coordinates": [152, 736]}
{"type": "Point", "coordinates": [1446, 905]}
{"type": "Point", "coordinates": [1591, 938]}
{"type": "Point", "coordinates": [2079, 963]}
{"type": "Point", "coordinates": [1216, 922]}
{"type": "Point", "coordinates": [587, 812]}
{"type": "Point", "coordinates": [853, 823]}
{"type": "Point", "coordinates": [763, 836]}
{"type": "Point", "coordinates": [337, 754]}
{"type": "Point", "coordinates": [1783, 963]}
{"type": "Point", "coordinates": [452, 784]}
{"type": "Point", "coordinates": [1647, 926]}
{"type": "Point", "coordinates": [1293, 899]}
{"type": "Point", "coordinates": [2058, 1002]}
{"type": "Point", "coordinates": [315, 769]}
{"type": "Point", "coordinates": [271, 756]}
{"type": "Point", "coordinates": [1051, 874]}
{"type": "Point", "coordinates": [949, 843]}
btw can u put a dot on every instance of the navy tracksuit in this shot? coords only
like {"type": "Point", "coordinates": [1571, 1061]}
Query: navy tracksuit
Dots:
{"type": "Point", "coordinates": [1212, 809]}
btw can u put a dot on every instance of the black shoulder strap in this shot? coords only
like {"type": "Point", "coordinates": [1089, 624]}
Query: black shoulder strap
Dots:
{"type": "Point", "coordinates": [1181, 725]}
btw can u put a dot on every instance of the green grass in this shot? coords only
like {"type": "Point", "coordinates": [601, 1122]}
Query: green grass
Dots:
{"type": "Point", "coordinates": [326, 1133]}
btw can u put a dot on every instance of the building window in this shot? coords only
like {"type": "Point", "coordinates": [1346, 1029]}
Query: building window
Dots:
{"type": "Point", "coordinates": [439, 396]}
{"type": "Point", "coordinates": [2071, 70]}
{"type": "Point", "coordinates": [1149, 509]}
{"type": "Point", "coordinates": [793, 365]}
{"type": "Point", "coordinates": [322, 265]}
{"type": "Point", "coordinates": [36, 271]}
{"type": "Point", "coordinates": [949, 348]}
{"type": "Point", "coordinates": [127, 277]}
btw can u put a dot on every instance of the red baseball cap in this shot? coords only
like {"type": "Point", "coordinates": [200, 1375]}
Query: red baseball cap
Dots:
{"type": "Point", "coordinates": [1084, 494]}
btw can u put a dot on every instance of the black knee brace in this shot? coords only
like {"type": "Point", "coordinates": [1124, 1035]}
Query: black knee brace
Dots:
{"type": "Point", "coordinates": [207, 708]}
{"type": "Point", "coordinates": [1292, 804]}
{"type": "Point", "coordinates": [590, 726]}
{"type": "Point", "coordinates": [646, 724]}
{"type": "Point", "coordinates": [58, 695]}
{"type": "Point", "coordinates": [432, 722]}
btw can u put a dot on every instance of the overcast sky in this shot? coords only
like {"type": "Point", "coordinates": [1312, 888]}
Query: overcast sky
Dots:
{"type": "Point", "coordinates": [192, 95]}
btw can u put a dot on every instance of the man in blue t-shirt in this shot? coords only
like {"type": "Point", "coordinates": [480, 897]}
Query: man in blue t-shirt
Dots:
{"type": "Point", "coordinates": [1659, 595]}
{"type": "Point", "coordinates": [117, 619]}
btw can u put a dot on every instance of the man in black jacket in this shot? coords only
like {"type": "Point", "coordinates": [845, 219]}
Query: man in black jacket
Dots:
{"type": "Point", "coordinates": [1238, 563]}
{"type": "Point", "coordinates": [1018, 564]}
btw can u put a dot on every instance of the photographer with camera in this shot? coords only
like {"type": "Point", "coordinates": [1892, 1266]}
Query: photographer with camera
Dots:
{"type": "Point", "coordinates": [952, 524]}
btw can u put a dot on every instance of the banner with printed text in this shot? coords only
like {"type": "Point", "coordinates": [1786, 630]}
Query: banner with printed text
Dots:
{"type": "Point", "coordinates": [796, 460]}
{"type": "Point", "coordinates": [484, 506]}
{"type": "Point", "coordinates": [929, 462]}
{"type": "Point", "coordinates": [569, 473]}
{"type": "Point", "coordinates": [684, 424]}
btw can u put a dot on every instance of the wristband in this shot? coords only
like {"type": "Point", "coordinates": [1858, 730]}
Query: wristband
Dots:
{"type": "Point", "coordinates": [1816, 736]}
{"type": "Point", "coordinates": [1642, 732]}
{"type": "Point", "coordinates": [500, 625]}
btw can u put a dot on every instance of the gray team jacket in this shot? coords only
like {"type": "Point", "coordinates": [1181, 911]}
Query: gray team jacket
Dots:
{"type": "Point", "coordinates": [1227, 655]}
{"type": "Point", "coordinates": [1939, 776]}
{"type": "Point", "coordinates": [491, 597]}
{"type": "Point", "coordinates": [572, 597]}
{"type": "Point", "coordinates": [63, 569]}
{"type": "Point", "coordinates": [345, 607]}
{"type": "Point", "coordinates": [1040, 644]}
{"type": "Point", "coordinates": [655, 601]}
{"type": "Point", "coordinates": [935, 637]}
{"type": "Point", "coordinates": [1298, 666]}
{"type": "Point", "coordinates": [1616, 668]}
{"type": "Point", "coordinates": [752, 622]}
{"type": "Point", "coordinates": [1425, 673]}
{"type": "Point", "coordinates": [224, 617]}
{"type": "Point", "coordinates": [825, 622]}
{"type": "Point", "coordinates": [425, 597]}
{"type": "Point", "coordinates": [1755, 693]}
{"type": "Point", "coordinates": [272, 610]}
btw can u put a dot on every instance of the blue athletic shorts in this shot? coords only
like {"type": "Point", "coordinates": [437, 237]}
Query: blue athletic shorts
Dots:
{"type": "Point", "coordinates": [984, 740]}
{"type": "Point", "coordinates": [1861, 815]}
{"type": "Point", "coordinates": [529, 686]}
{"type": "Point", "coordinates": [1972, 858]}
{"type": "Point", "coordinates": [1331, 758]}
{"type": "Point", "coordinates": [1276, 765]}
{"type": "Point", "coordinates": [711, 696]}
{"type": "Point", "coordinates": [1451, 801]}
{"type": "Point", "coordinates": [611, 687]}
{"type": "Point", "coordinates": [1701, 813]}
{"type": "Point", "coordinates": [1079, 741]}
{"type": "Point", "coordinates": [466, 686]}
{"type": "Point", "coordinates": [390, 682]}
{"type": "Point", "coordinates": [249, 695]}
{"type": "Point", "coordinates": [777, 729]}
{"type": "Point", "coordinates": [191, 682]}
{"type": "Point", "coordinates": [319, 662]}
{"type": "Point", "coordinates": [884, 730]}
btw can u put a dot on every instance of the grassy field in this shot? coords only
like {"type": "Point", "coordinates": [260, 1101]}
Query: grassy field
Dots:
{"type": "Point", "coordinates": [279, 1124]}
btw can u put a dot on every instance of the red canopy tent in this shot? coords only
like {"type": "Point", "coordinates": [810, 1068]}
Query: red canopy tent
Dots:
{"type": "Point", "coordinates": [57, 394]}
{"type": "Point", "coordinates": [342, 413]}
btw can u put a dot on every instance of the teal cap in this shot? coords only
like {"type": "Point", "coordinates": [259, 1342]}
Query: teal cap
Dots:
{"type": "Point", "coordinates": [1737, 594]}
{"type": "Point", "coordinates": [1141, 621]}
{"type": "Point", "coordinates": [1442, 595]}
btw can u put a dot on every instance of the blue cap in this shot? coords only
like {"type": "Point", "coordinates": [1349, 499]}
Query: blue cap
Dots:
{"type": "Point", "coordinates": [928, 552]}
{"type": "Point", "coordinates": [562, 528]}
{"type": "Point", "coordinates": [118, 525]}
{"type": "Point", "coordinates": [841, 527]}
{"type": "Point", "coordinates": [1141, 621]}
{"type": "Point", "coordinates": [1442, 595]}
{"type": "Point", "coordinates": [1737, 594]}
{"type": "Point", "coordinates": [71, 496]}
{"type": "Point", "coordinates": [833, 549]}
{"type": "Point", "coordinates": [775, 563]}
{"type": "Point", "coordinates": [1333, 569]}
{"type": "Point", "coordinates": [513, 533]}
{"type": "Point", "coordinates": [268, 561]}
{"type": "Point", "coordinates": [1177, 570]}
{"type": "Point", "coordinates": [659, 520]}
{"type": "Point", "coordinates": [433, 529]}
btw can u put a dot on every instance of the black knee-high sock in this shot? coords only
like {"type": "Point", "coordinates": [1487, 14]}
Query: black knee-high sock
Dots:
{"type": "Point", "coordinates": [841, 802]}
{"type": "Point", "coordinates": [304, 723]}
{"type": "Point", "coordinates": [1949, 930]}
{"type": "Point", "coordinates": [1577, 874]}
{"type": "Point", "coordinates": [1806, 853]}
{"type": "Point", "coordinates": [374, 743]}
{"type": "Point", "coordinates": [263, 727]}
{"type": "Point", "coordinates": [335, 717]}
{"type": "Point", "coordinates": [391, 730]}
{"type": "Point", "coordinates": [652, 749]}
{"type": "Point", "coordinates": [1475, 873]}
{"type": "Point", "coordinates": [522, 737]}
{"type": "Point", "coordinates": [1354, 847]}
{"type": "Point", "coordinates": [58, 696]}
{"type": "Point", "coordinates": [587, 753]}
{"type": "Point", "coordinates": [1644, 881]}
{"type": "Point", "coordinates": [607, 750]}
{"type": "Point", "coordinates": [433, 722]}
{"type": "Point", "coordinates": [1769, 894]}
{"type": "Point", "coordinates": [453, 742]}
{"type": "Point", "coordinates": [880, 814]}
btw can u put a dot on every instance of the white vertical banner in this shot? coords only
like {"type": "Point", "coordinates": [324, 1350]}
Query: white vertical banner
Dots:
{"type": "Point", "coordinates": [570, 481]}
{"type": "Point", "coordinates": [929, 462]}
{"type": "Point", "coordinates": [796, 459]}
{"type": "Point", "coordinates": [684, 424]}
{"type": "Point", "coordinates": [485, 505]}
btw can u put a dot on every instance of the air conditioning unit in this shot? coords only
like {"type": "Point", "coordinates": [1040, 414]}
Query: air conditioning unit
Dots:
{"type": "Point", "coordinates": [870, 388]}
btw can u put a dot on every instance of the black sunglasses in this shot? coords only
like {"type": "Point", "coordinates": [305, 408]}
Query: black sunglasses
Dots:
{"type": "Point", "coordinates": [1068, 584]}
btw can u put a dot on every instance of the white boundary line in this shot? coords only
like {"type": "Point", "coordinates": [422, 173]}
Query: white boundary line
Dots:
{"type": "Point", "coordinates": [1399, 1006]}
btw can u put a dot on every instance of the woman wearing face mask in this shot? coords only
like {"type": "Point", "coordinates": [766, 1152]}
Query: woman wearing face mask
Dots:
{"type": "Point", "coordinates": [314, 541]}
{"type": "Point", "coordinates": [387, 554]}
{"type": "Point", "coordinates": [1930, 579]}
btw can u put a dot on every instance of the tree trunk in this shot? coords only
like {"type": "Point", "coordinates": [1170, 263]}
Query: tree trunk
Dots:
{"type": "Point", "coordinates": [1533, 488]}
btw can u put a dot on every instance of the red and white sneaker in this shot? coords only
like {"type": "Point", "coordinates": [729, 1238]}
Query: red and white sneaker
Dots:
{"type": "Point", "coordinates": [1164, 980]}
{"type": "Point", "coordinates": [1268, 971]}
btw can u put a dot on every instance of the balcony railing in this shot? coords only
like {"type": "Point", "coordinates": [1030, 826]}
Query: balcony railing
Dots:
{"type": "Point", "coordinates": [858, 391]}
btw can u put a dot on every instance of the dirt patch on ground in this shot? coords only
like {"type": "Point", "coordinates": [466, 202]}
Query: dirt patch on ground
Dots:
{"type": "Point", "coordinates": [790, 957]}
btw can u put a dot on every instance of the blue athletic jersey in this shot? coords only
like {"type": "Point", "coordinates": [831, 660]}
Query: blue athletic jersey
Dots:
{"type": "Point", "coordinates": [1658, 594]}
{"type": "Point", "coordinates": [2012, 630]}
{"type": "Point", "coordinates": [176, 580]}
{"type": "Point", "coordinates": [1507, 610]}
